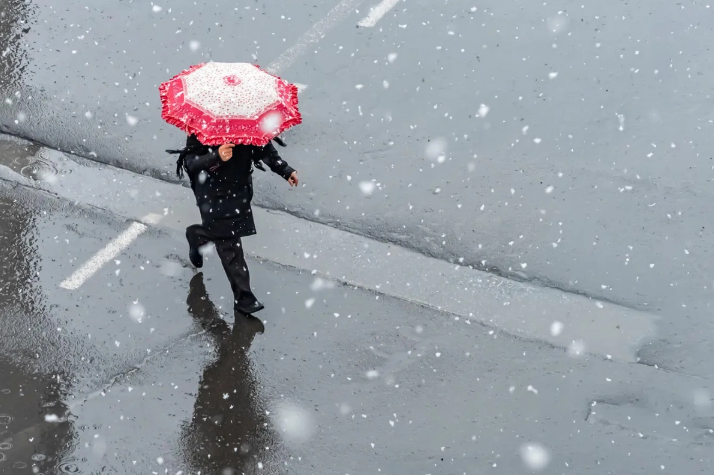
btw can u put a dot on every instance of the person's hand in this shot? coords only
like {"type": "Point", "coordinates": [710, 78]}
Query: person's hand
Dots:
{"type": "Point", "coordinates": [225, 151]}
{"type": "Point", "coordinates": [293, 179]}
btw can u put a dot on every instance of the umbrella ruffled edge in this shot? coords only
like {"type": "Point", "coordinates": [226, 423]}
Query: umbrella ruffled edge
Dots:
{"type": "Point", "coordinates": [292, 100]}
{"type": "Point", "coordinates": [164, 94]}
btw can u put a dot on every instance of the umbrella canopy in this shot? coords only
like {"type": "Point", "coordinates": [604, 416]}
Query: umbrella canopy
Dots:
{"type": "Point", "coordinates": [230, 102]}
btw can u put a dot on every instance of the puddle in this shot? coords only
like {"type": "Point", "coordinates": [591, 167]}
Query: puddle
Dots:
{"type": "Point", "coordinates": [69, 468]}
{"type": "Point", "coordinates": [30, 161]}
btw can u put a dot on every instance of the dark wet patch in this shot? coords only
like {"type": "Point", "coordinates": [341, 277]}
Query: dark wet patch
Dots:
{"type": "Point", "coordinates": [34, 432]}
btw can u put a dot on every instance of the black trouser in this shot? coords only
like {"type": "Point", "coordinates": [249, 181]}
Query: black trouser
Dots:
{"type": "Point", "coordinates": [230, 251]}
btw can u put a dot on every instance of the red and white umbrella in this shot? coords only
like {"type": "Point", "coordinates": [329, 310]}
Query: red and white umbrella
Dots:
{"type": "Point", "coordinates": [230, 102]}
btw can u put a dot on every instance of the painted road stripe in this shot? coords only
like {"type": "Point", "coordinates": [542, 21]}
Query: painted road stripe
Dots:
{"type": "Point", "coordinates": [109, 252]}
{"type": "Point", "coordinates": [313, 35]}
{"type": "Point", "coordinates": [285, 60]}
{"type": "Point", "coordinates": [377, 13]}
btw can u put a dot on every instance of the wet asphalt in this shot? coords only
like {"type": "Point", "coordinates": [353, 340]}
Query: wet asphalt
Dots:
{"type": "Point", "coordinates": [143, 370]}
{"type": "Point", "coordinates": [567, 145]}
{"type": "Point", "coordinates": [564, 145]}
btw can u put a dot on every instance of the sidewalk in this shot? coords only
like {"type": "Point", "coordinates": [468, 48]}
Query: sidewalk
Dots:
{"type": "Point", "coordinates": [520, 309]}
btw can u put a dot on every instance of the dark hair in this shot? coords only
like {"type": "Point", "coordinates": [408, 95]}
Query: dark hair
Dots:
{"type": "Point", "coordinates": [183, 153]}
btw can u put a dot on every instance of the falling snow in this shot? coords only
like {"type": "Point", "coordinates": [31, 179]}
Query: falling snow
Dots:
{"type": "Point", "coordinates": [535, 456]}
{"type": "Point", "coordinates": [367, 187]}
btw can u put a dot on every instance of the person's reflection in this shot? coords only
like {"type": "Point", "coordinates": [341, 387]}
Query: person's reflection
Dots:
{"type": "Point", "coordinates": [229, 433]}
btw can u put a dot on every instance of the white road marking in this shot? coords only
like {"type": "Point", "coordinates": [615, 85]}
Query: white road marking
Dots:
{"type": "Point", "coordinates": [377, 13]}
{"type": "Point", "coordinates": [284, 61]}
{"type": "Point", "coordinates": [109, 252]}
{"type": "Point", "coordinates": [313, 35]}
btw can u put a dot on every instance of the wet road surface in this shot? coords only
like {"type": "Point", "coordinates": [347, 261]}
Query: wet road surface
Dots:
{"type": "Point", "coordinates": [141, 369]}
{"type": "Point", "coordinates": [564, 145]}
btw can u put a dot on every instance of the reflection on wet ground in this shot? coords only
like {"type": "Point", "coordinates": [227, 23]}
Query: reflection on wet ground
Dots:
{"type": "Point", "coordinates": [53, 395]}
{"type": "Point", "coordinates": [35, 431]}
{"type": "Point", "coordinates": [14, 17]}
{"type": "Point", "coordinates": [34, 428]}
{"type": "Point", "coordinates": [230, 430]}
{"type": "Point", "coordinates": [344, 380]}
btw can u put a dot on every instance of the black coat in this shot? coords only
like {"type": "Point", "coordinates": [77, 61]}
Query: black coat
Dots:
{"type": "Point", "coordinates": [224, 190]}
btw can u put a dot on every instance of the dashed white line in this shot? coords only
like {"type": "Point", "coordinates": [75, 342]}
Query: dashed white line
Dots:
{"type": "Point", "coordinates": [377, 13]}
{"type": "Point", "coordinates": [313, 35]}
{"type": "Point", "coordinates": [109, 252]}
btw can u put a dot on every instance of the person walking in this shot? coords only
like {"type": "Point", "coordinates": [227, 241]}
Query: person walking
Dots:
{"type": "Point", "coordinates": [231, 113]}
{"type": "Point", "coordinates": [221, 180]}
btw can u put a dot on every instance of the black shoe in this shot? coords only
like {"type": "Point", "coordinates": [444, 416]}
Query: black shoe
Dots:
{"type": "Point", "coordinates": [195, 257]}
{"type": "Point", "coordinates": [249, 308]}
{"type": "Point", "coordinates": [194, 254]}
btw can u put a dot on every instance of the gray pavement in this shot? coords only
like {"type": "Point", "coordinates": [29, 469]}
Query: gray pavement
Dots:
{"type": "Point", "coordinates": [563, 147]}
{"type": "Point", "coordinates": [573, 139]}
{"type": "Point", "coordinates": [522, 309]}
{"type": "Point", "coordinates": [342, 380]}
